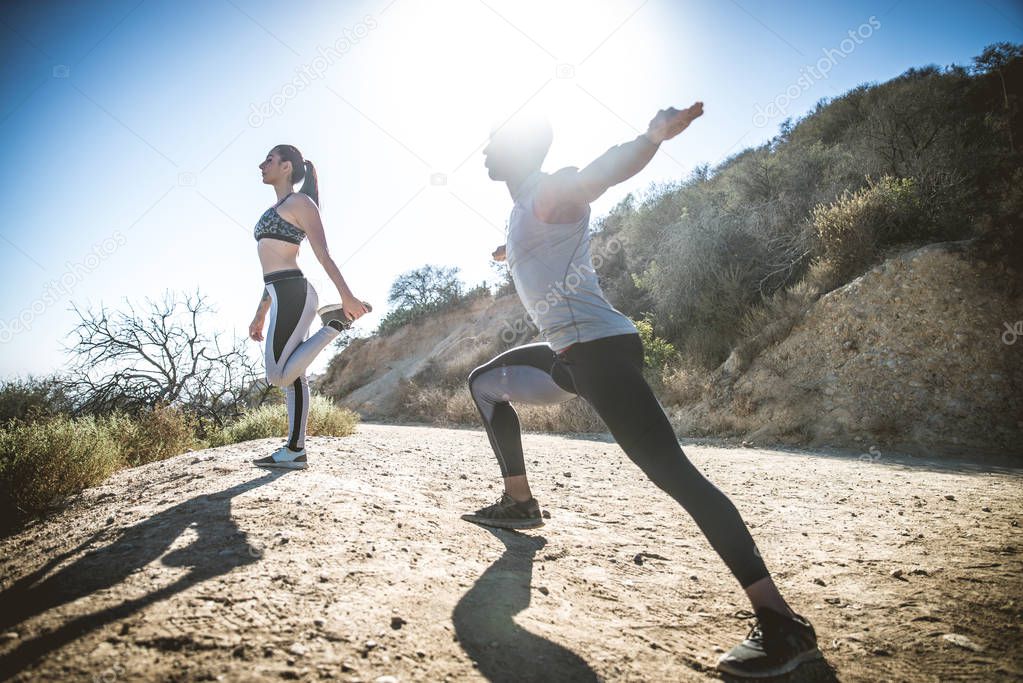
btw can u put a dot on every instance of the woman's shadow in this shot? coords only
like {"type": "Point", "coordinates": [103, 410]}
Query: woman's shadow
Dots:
{"type": "Point", "coordinates": [219, 547]}
{"type": "Point", "coordinates": [485, 625]}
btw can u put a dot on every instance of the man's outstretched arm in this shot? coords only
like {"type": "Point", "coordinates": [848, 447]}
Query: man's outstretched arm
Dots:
{"type": "Point", "coordinates": [570, 187]}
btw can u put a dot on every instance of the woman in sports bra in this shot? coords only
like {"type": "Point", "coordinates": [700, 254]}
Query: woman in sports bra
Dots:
{"type": "Point", "coordinates": [289, 298]}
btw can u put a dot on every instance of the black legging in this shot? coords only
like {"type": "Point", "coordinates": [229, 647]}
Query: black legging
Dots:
{"type": "Point", "coordinates": [608, 373]}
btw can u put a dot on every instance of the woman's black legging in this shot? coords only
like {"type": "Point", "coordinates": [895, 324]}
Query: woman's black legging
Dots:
{"type": "Point", "coordinates": [608, 373]}
{"type": "Point", "coordinates": [289, 349]}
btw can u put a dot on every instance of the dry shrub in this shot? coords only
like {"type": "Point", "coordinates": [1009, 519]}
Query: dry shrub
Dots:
{"type": "Point", "coordinates": [325, 419]}
{"type": "Point", "coordinates": [160, 433]}
{"type": "Point", "coordinates": [684, 383]}
{"type": "Point", "coordinates": [576, 415]}
{"type": "Point", "coordinates": [851, 230]}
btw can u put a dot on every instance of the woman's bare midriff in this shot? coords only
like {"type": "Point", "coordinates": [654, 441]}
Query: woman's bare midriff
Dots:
{"type": "Point", "coordinates": [278, 254]}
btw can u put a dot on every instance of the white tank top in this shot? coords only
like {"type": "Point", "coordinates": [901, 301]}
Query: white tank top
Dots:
{"type": "Point", "coordinates": [553, 273]}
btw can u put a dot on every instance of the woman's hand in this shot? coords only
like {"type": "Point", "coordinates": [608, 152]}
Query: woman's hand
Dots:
{"type": "Point", "coordinates": [499, 253]}
{"type": "Point", "coordinates": [355, 309]}
{"type": "Point", "coordinates": [256, 328]}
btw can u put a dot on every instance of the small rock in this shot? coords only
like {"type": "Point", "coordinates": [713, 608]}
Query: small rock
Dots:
{"type": "Point", "coordinates": [546, 514]}
{"type": "Point", "coordinates": [386, 679]}
{"type": "Point", "coordinates": [9, 636]}
{"type": "Point", "coordinates": [919, 571]}
{"type": "Point", "coordinates": [568, 474]}
{"type": "Point", "coordinates": [544, 590]}
{"type": "Point", "coordinates": [819, 582]}
{"type": "Point", "coordinates": [297, 649]}
{"type": "Point", "coordinates": [950, 497]}
{"type": "Point", "coordinates": [397, 622]}
{"type": "Point", "coordinates": [962, 641]}
{"type": "Point", "coordinates": [897, 574]}
{"type": "Point", "coordinates": [318, 623]}
{"type": "Point", "coordinates": [985, 509]}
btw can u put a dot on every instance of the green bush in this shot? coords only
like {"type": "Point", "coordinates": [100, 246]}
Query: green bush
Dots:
{"type": "Point", "coordinates": [45, 460]}
{"type": "Point", "coordinates": [33, 398]}
{"type": "Point", "coordinates": [657, 352]}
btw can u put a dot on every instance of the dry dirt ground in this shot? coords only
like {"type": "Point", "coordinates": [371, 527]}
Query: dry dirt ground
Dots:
{"type": "Point", "coordinates": [202, 567]}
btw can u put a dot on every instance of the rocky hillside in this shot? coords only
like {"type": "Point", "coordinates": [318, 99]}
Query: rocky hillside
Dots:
{"type": "Point", "coordinates": [368, 375]}
{"type": "Point", "coordinates": [910, 355]}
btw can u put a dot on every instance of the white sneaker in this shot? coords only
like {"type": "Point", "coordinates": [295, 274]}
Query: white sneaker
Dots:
{"type": "Point", "coordinates": [285, 458]}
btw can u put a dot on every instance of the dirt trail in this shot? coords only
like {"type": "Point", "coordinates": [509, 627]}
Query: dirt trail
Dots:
{"type": "Point", "coordinates": [202, 567]}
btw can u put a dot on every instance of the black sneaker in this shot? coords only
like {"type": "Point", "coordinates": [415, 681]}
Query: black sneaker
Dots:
{"type": "Point", "coordinates": [334, 312]}
{"type": "Point", "coordinates": [508, 513]}
{"type": "Point", "coordinates": [776, 645]}
{"type": "Point", "coordinates": [337, 312]}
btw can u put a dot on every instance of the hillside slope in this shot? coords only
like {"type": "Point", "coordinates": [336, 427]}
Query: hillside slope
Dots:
{"type": "Point", "coordinates": [910, 355]}
{"type": "Point", "coordinates": [367, 376]}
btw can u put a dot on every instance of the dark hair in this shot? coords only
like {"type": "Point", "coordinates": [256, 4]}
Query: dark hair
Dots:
{"type": "Point", "coordinates": [301, 170]}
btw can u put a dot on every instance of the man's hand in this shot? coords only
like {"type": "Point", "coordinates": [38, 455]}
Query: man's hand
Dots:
{"type": "Point", "coordinates": [670, 122]}
{"type": "Point", "coordinates": [499, 254]}
{"type": "Point", "coordinates": [256, 328]}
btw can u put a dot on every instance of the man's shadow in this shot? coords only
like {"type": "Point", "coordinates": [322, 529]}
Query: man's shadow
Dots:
{"type": "Point", "coordinates": [219, 547]}
{"type": "Point", "coordinates": [485, 626]}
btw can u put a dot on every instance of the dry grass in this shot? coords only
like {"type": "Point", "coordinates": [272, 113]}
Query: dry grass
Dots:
{"type": "Point", "coordinates": [325, 419]}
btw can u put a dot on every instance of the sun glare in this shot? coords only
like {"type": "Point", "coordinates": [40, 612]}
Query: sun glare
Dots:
{"type": "Point", "coordinates": [464, 71]}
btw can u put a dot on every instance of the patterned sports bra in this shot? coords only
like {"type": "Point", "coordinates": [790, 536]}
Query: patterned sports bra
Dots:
{"type": "Point", "coordinates": [272, 226]}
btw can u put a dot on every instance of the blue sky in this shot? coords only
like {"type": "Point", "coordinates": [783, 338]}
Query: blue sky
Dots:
{"type": "Point", "coordinates": [133, 129]}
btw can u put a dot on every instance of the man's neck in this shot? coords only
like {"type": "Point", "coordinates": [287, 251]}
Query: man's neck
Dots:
{"type": "Point", "coordinates": [516, 180]}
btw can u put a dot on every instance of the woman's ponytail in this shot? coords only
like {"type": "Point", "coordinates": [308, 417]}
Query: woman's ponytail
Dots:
{"type": "Point", "coordinates": [311, 186]}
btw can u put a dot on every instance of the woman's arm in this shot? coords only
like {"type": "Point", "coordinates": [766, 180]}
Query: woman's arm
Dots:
{"type": "Point", "coordinates": [308, 216]}
{"type": "Point", "coordinates": [264, 304]}
{"type": "Point", "coordinates": [256, 326]}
